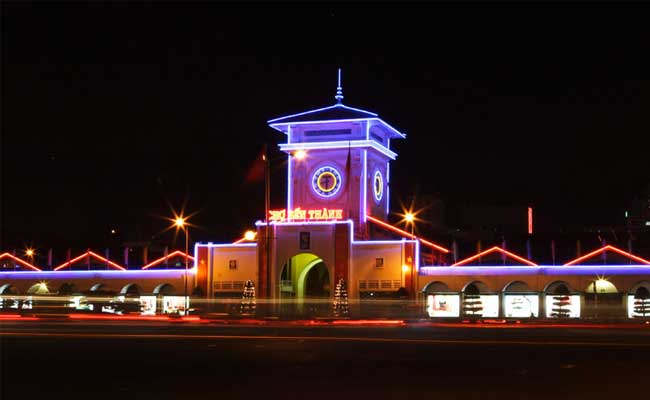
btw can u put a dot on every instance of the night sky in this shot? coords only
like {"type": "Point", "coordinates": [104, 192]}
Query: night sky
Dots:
{"type": "Point", "coordinates": [110, 112]}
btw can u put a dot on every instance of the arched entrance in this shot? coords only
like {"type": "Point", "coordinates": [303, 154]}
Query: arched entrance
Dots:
{"type": "Point", "coordinates": [305, 283]}
{"type": "Point", "coordinates": [602, 300]}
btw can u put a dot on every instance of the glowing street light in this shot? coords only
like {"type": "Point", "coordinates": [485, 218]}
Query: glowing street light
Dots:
{"type": "Point", "coordinates": [409, 218]}
{"type": "Point", "coordinates": [300, 154]}
{"type": "Point", "coordinates": [29, 252]}
{"type": "Point", "coordinates": [179, 222]}
{"type": "Point", "coordinates": [250, 235]}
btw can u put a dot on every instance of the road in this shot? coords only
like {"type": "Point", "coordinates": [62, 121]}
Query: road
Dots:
{"type": "Point", "coordinates": [173, 360]}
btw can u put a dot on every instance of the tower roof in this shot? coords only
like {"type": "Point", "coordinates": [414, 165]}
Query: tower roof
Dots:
{"type": "Point", "coordinates": [333, 113]}
{"type": "Point", "coordinates": [336, 112]}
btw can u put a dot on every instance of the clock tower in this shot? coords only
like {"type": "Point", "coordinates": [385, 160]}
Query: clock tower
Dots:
{"type": "Point", "coordinates": [339, 159]}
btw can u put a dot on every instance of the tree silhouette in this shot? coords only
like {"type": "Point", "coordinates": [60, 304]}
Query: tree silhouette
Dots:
{"type": "Point", "coordinates": [642, 302]}
{"type": "Point", "coordinates": [340, 306]}
{"type": "Point", "coordinates": [472, 305]}
{"type": "Point", "coordinates": [248, 303]}
{"type": "Point", "coordinates": [561, 302]}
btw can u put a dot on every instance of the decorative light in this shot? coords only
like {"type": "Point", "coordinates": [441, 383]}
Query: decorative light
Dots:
{"type": "Point", "coordinates": [179, 222]}
{"type": "Point", "coordinates": [409, 217]}
{"type": "Point", "coordinates": [299, 154]}
{"type": "Point", "coordinates": [250, 235]}
{"type": "Point", "coordinates": [29, 252]}
{"type": "Point", "coordinates": [405, 268]}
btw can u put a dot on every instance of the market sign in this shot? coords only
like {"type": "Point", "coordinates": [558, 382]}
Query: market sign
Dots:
{"type": "Point", "coordinates": [298, 214]}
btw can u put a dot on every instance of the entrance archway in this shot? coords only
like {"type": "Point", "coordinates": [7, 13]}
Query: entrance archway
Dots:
{"type": "Point", "coordinates": [305, 277]}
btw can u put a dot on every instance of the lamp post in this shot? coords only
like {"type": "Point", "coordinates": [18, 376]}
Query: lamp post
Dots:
{"type": "Point", "coordinates": [179, 222]}
{"type": "Point", "coordinates": [30, 253]}
{"type": "Point", "coordinates": [410, 220]}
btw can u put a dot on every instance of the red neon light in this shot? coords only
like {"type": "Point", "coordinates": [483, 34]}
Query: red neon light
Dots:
{"type": "Point", "coordinates": [406, 234]}
{"type": "Point", "coordinates": [90, 254]}
{"type": "Point", "coordinates": [530, 220]}
{"type": "Point", "coordinates": [606, 248]}
{"type": "Point", "coordinates": [239, 241]}
{"type": "Point", "coordinates": [21, 262]}
{"type": "Point", "coordinates": [368, 322]}
{"type": "Point", "coordinates": [161, 259]}
{"type": "Point", "coordinates": [491, 250]}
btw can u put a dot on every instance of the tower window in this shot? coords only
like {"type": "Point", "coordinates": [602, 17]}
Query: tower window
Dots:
{"type": "Point", "coordinates": [329, 132]}
{"type": "Point", "coordinates": [379, 263]}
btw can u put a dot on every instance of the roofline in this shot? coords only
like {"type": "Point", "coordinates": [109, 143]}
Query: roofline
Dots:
{"type": "Point", "coordinates": [492, 250]}
{"type": "Point", "coordinates": [342, 144]}
{"type": "Point", "coordinates": [321, 109]}
{"type": "Point", "coordinates": [277, 126]}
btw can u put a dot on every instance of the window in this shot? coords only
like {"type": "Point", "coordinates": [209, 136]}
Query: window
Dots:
{"type": "Point", "coordinates": [379, 263]}
{"type": "Point", "coordinates": [305, 239]}
{"type": "Point", "coordinates": [232, 264]}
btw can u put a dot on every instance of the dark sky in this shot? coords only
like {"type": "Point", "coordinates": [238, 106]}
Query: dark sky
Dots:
{"type": "Point", "coordinates": [110, 111]}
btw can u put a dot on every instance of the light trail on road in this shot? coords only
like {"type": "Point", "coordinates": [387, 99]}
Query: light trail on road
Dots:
{"type": "Point", "coordinates": [322, 338]}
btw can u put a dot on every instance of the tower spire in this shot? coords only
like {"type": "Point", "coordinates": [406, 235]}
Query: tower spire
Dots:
{"type": "Point", "coordinates": [339, 90]}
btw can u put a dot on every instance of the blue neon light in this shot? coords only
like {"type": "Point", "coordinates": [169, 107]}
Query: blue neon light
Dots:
{"type": "Point", "coordinates": [364, 182]}
{"type": "Point", "coordinates": [387, 187]}
{"type": "Point", "coordinates": [67, 274]}
{"type": "Point", "coordinates": [278, 120]}
{"type": "Point", "coordinates": [289, 192]}
{"type": "Point", "coordinates": [289, 147]}
{"type": "Point", "coordinates": [535, 270]}
{"type": "Point", "coordinates": [277, 126]}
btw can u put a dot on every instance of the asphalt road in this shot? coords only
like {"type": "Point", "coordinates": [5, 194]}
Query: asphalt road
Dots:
{"type": "Point", "coordinates": [162, 360]}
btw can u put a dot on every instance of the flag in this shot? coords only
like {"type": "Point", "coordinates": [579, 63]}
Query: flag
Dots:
{"type": "Point", "coordinates": [145, 255]}
{"type": "Point", "coordinates": [49, 258]}
{"type": "Point", "coordinates": [529, 253]}
{"type": "Point", "coordinates": [126, 256]}
{"type": "Point", "coordinates": [255, 171]}
{"type": "Point", "coordinates": [106, 256]}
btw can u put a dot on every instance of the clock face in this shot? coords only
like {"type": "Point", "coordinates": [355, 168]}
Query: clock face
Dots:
{"type": "Point", "coordinates": [378, 186]}
{"type": "Point", "coordinates": [326, 181]}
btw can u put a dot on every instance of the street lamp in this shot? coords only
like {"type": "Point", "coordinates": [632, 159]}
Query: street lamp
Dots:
{"type": "Point", "coordinates": [30, 253]}
{"type": "Point", "coordinates": [250, 235]}
{"type": "Point", "coordinates": [409, 217]}
{"type": "Point", "coordinates": [181, 223]}
{"type": "Point", "coordinates": [300, 154]}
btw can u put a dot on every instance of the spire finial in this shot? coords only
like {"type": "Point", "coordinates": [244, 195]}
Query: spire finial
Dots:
{"type": "Point", "coordinates": [339, 90]}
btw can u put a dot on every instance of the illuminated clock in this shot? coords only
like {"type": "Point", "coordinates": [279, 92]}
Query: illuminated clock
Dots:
{"type": "Point", "coordinates": [326, 181]}
{"type": "Point", "coordinates": [378, 186]}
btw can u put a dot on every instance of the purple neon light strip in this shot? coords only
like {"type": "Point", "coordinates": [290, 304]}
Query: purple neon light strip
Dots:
{"type": "Point", "coordinates": [277, 126]}
{"type": "Point", "coordinates": [341, 144]}
{"type": "Point", "coordinates": [387, 187]}
{"type": "Point", "coordinates": [365, 185]}
{"type": "Point", "coordinates": [320, 109]}
{"type": "Point", "coordinates": [147, 273]}
{"type": "Point", "coordinates": [536, 270]}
